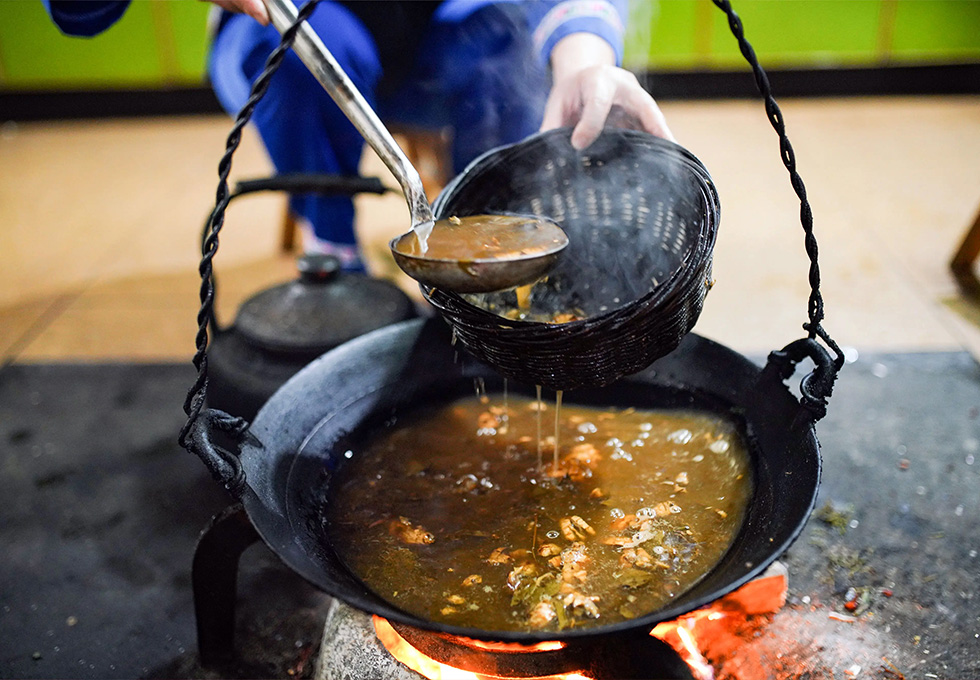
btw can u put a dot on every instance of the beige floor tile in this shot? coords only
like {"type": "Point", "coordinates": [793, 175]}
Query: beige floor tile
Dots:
{"type": "Point", "coordinates": [21, 321]}
{"type": "Point", "coordinates": [891, 189]}
{"type": "Point", "coordinates": [97, 198]}
{"type": "Point", "coordinates": [111, 211]}
{"type": "Point", "coordinates": [156, 315]}
{"type": "Point", "coordinates": [117, 334]}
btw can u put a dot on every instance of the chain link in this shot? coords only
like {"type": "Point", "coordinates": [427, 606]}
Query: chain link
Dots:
{"type": "Point", "coordinates": [194, 403]}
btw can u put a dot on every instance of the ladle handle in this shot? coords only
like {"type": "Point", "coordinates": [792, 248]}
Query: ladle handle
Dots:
{"type": "Point", "coordinates": [328, 72]}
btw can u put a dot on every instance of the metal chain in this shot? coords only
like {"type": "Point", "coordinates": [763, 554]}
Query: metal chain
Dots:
{"type": "Point", "coordinates": [194, 403]}
{"type": "Point", "coordinates": [815, 308]}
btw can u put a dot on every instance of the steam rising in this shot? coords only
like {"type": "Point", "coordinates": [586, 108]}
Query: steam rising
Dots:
{"type": "Point", "coordinates": [639, 33]}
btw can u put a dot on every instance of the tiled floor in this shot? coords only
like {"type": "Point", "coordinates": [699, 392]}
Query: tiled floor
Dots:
{"type": "Point", "coordinates": [99, 223]}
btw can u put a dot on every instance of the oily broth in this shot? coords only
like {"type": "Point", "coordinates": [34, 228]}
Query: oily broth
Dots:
{"type": "Point", "coordinates": [449, 516]}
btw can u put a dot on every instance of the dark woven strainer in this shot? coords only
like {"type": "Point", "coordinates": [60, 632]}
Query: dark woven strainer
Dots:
{"type": "Point", "coordinates": [641, 215]}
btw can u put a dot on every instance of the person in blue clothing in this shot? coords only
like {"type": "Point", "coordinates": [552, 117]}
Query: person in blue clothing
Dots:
{"type": "Point", "coordinates": [492, 71]}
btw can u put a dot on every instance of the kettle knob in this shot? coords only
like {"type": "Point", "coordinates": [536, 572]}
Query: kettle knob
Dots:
{"type": "Point", "coordinates": [316, 268]}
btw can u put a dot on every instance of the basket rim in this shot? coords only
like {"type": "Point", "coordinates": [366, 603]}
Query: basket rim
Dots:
{"type": "Point", "coordinates": [666, 290]}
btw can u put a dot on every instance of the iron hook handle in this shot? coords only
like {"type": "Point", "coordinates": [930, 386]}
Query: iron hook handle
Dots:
{"type": "Point", "coordinates": [818, 385]}
{"type": "Point", "coordinates": [331, 76]}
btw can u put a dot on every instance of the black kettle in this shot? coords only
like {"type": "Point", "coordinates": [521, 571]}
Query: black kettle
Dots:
{"type": "Point", "coordinates": [281, 329]}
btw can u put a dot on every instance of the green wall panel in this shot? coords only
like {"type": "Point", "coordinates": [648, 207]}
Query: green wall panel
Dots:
{"type": "Point", "coordinates": [661, 34]}
{"type": "Point", "coordinates": [164, 42]}
{"type": "Point", "coordinates": [800, 32]}
{"type": "Point", "coordinates": [189, 20]}
{"type": "Point", "coordinates": [35, 54]}
{"type": "Point", "coordinates": [936, 30]}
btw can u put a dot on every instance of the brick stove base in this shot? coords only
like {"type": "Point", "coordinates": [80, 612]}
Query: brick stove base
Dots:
{"type": "Point", "coordinates": [350, 650]}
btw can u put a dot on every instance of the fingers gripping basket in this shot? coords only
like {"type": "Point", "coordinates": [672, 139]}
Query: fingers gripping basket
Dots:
{"type": "Point", "coordinates": [641, 215]}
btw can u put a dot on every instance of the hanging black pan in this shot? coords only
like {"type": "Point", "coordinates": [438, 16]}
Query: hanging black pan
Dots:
{"type": "Point", "coordinates": [282, 465]}
{"type": "Point", "coordinates": [296, 445]}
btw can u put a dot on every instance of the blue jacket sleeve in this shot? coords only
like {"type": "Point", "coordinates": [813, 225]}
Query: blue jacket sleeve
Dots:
{"type": "Point", "coordinates": [603, 18]}
{"type": "Point", "coordinates": [552, 20]}
{"type": "Point", "coordinates": [85, 19]}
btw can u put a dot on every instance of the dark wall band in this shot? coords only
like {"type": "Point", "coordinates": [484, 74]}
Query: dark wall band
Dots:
{"type": "Point", "coordinates": [946, 79]}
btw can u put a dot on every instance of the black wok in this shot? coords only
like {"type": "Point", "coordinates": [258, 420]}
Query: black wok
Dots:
{"type": "Point", "coordinates": [298, 440]}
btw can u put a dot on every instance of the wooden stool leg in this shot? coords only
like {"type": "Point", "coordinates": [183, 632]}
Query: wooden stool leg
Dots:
{"type": "Point", "coordinates": [287, 239]}
{"type": "Point", "coordinates": [962, 263]}
{"type": "Point", "coordinates": [429, 152]}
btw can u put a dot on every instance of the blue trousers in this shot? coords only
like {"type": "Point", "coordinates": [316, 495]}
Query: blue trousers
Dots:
{"type": "Point", "coordinates": [476, 73]}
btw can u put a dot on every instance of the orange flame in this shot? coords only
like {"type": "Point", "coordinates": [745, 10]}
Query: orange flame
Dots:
{"type": "Point", "coordinates": [514, 646]}
{"type": "Point", "coordinates": [680, 634]}
{"type": "Point", "coordinates": [716, 629]}
{"type": "Point", "coordinates": [429, 668]}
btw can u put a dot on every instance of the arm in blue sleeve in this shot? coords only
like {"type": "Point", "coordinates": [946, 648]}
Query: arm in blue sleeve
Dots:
{"type": "Point", "coordinates": [604, 18]}
{"type": "Point", "coordinates": [85, 19]}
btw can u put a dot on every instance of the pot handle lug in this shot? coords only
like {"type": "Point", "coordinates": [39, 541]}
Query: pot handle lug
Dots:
{"type": "Point", "coordinates": [214, 436]}
{"type": "Point", "coordinates": [221, 457]}
{"type": "Point", "coordinates": [817, 386]}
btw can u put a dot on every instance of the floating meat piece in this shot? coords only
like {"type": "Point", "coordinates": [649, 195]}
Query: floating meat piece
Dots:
{"type": "Point", "coordinates": [574, 561]}
{"type": "Point", "coordinates": [621, 541]}
{"type": "Point", "coordinates": [624, 522]}
{"type": "Point", "coordinates": [584, 603]}
{"type": "Point", "coordinates": [542, 614]}
{"type": "Point", "coordinates": [579, 464]}
{"type": "Point", "coordinates": [520, 574]}
{"type": "Point", "coordinates": [406, 532]}
{"type": "Point", "coordinates": [548, 550]}
{"type": "Point", "coordinates": [666, 508]}
{"type": "Point", "coordinates": [499, 556]}
{"type": "Point", "coordinates": [487, 423]}
{"type": "Point", "coordinates": [636, 557]}
{"type": "Point", "coordinates": [575, 528]}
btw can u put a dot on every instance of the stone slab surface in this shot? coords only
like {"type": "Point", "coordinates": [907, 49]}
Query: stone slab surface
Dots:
{"type": "Point", "coordinates": [101, 510]}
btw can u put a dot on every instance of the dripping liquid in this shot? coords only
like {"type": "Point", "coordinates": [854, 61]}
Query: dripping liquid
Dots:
{"type": "Point", "coordinates": [540, 407]}
{"type": "Point", "coordinates": [554, 465]}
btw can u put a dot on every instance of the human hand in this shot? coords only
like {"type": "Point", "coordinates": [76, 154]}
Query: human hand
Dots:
{"type": "Point", "coordinates": [254, 8]}
{"type": "Point", "coordinates": [590, 92]}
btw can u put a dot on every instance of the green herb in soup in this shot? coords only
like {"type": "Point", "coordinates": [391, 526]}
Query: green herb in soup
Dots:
{"type": "Point", "coordinates": [451, 515]}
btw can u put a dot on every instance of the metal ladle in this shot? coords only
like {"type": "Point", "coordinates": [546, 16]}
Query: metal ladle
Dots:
{"type": "Point", "coordinates": [474, 254]}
